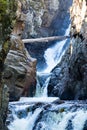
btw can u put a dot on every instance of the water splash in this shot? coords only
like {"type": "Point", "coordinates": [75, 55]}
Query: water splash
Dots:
{"type": "Point", "coordinates": [79, 120]}
{"type": "Point", "coordinates": [25, 123]}
{"type": "Point", "coordinates": [42, 84]}
{"type": "Point", "coordinates": [36, 100]}
{"type": "Point", "coordinates": [63, 120]}
{"type": "Point", "coordinates": [56, 117]}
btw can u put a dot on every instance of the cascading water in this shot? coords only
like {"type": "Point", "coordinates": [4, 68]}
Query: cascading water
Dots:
{"type": "Point", "coordinates": [63, 121]}
{"type": "Point", "coordinates": [52, 57]}
{"type": "Point", "coordinates": [54, 54]}
{"type": "Point", "coordinates": [47, 113]}
{"type": "Point", "coordinates": [28, 122]}
{"type": "Point", "coordinates": [42, 84]}
{"type": "Point", "coordinates": [38, 114]}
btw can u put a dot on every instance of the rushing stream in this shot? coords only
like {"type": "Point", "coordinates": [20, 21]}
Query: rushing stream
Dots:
{"type": "Point", "coordinates": [45, 114]}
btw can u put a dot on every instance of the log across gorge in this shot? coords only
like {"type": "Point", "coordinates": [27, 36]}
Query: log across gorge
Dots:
{"type": "Point", "coordinates": [45, 39]}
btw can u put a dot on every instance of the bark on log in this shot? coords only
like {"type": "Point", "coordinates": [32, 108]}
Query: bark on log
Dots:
{"type": "Point", "coordinates": [45, 39]}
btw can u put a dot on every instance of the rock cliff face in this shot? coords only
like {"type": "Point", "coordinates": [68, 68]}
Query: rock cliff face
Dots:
{"type": "Point", "coordinates": [7, 14]}
{"type": "Point", "coordinates": [70, 76]}
{"type": "Point", "coordinates": [20, 69]}
{"type": "Point", "coordinates": [4, 99]}
{"type": "Point", "coordinates": [39, 17]}
{"type": "Point", "coordinates": [44, 17]}
{"type": "Point", "coordinates": [20, 74]}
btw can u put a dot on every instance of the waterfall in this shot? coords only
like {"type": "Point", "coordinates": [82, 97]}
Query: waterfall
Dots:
{"type": "Point", "coordinates": [47, 113]}
{"type": "Point", "coordinates": [45, 87]}
{"type": "Point", "coordinates": [66, 120]}
{"type": "Point", "coordinates": [42, 84]}
{"type": "Point", "coordinates": [52, 57]}
{"type": "Point", "coordinates": [25, 123]}
{"type": "Point", "coordinates": [54, 54]}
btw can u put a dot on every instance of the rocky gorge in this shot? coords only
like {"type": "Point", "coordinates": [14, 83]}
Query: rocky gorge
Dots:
{"type": "Point", "coordinates": [69, 78]}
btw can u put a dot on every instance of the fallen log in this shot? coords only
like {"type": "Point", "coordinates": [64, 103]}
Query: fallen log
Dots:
{"type": "Point", "coordinates": [45, 39]}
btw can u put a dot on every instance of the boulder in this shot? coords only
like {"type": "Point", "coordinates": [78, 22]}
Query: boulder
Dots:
{"type": "Point", "coordinates": [20, 71]}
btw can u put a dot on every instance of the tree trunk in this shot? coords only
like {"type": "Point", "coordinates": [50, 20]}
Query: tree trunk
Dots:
{"type": "Point", "coordinates": [45, 39]}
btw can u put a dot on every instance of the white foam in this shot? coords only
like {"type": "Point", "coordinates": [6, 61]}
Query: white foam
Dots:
{"type": "Point", "coordinates": [29, 100]}
{"type": "Point", "coordinates": [79, 120]}
{"type": "Point", "coordinates": [25, 123]}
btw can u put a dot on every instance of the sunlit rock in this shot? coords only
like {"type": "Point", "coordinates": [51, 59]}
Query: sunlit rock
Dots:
{"type": "Point", "coordinates": [20, 72]}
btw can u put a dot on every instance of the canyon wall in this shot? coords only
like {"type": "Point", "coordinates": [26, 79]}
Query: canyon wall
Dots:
{"type": "Point", "coordinates": [20, 68]}
{"type": "Point", "coordinates": [69, 78]}
{"type": "Point", "coordinates": [17, 67]}
{"type": "Point", "coordinates": [44, 17]}
{"type": "Point", "coordinates": [7, 14]}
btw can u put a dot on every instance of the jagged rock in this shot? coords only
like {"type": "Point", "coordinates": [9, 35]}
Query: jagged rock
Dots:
{"type": "Point", "coordinates": [4, 99]}
{"type": "Point", "coordinates": [20, 74]}
{"type": "Point", "coordinates": [71, 80]}
{"type": "Point", "coordinates": [85, 126]}
{"type": "Point", "coordinates": [6, 17]}
{"type": "Point", "coordinates": [41, 19]}
{"type": "Point", "coordinates": [20, 69]}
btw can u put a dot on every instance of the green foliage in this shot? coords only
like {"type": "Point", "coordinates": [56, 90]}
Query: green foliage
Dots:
{"type": "Point", "coordinates": [61, 110]}
{"type": "Point", "coordinates": [3, 6]}
{"type": "Point", "coordinates": [6, 6]}
{"type": "Point", "coordinates": [7, 15]}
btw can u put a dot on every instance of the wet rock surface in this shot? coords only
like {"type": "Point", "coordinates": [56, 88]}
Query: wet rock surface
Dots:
{"type": "Point", "coordinates": [70, 76]}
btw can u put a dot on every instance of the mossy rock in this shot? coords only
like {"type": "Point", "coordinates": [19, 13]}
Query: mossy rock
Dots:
{"type": "Point", "coordinates": [61, 110]}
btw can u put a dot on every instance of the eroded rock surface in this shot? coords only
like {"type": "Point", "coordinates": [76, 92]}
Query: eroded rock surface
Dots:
{"type": "Point", "coordinates": [44, 17]}
{"type": "Point", "coordinates": [20, 69]}
{"type": "Point", "coordinates": [19, 74]}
